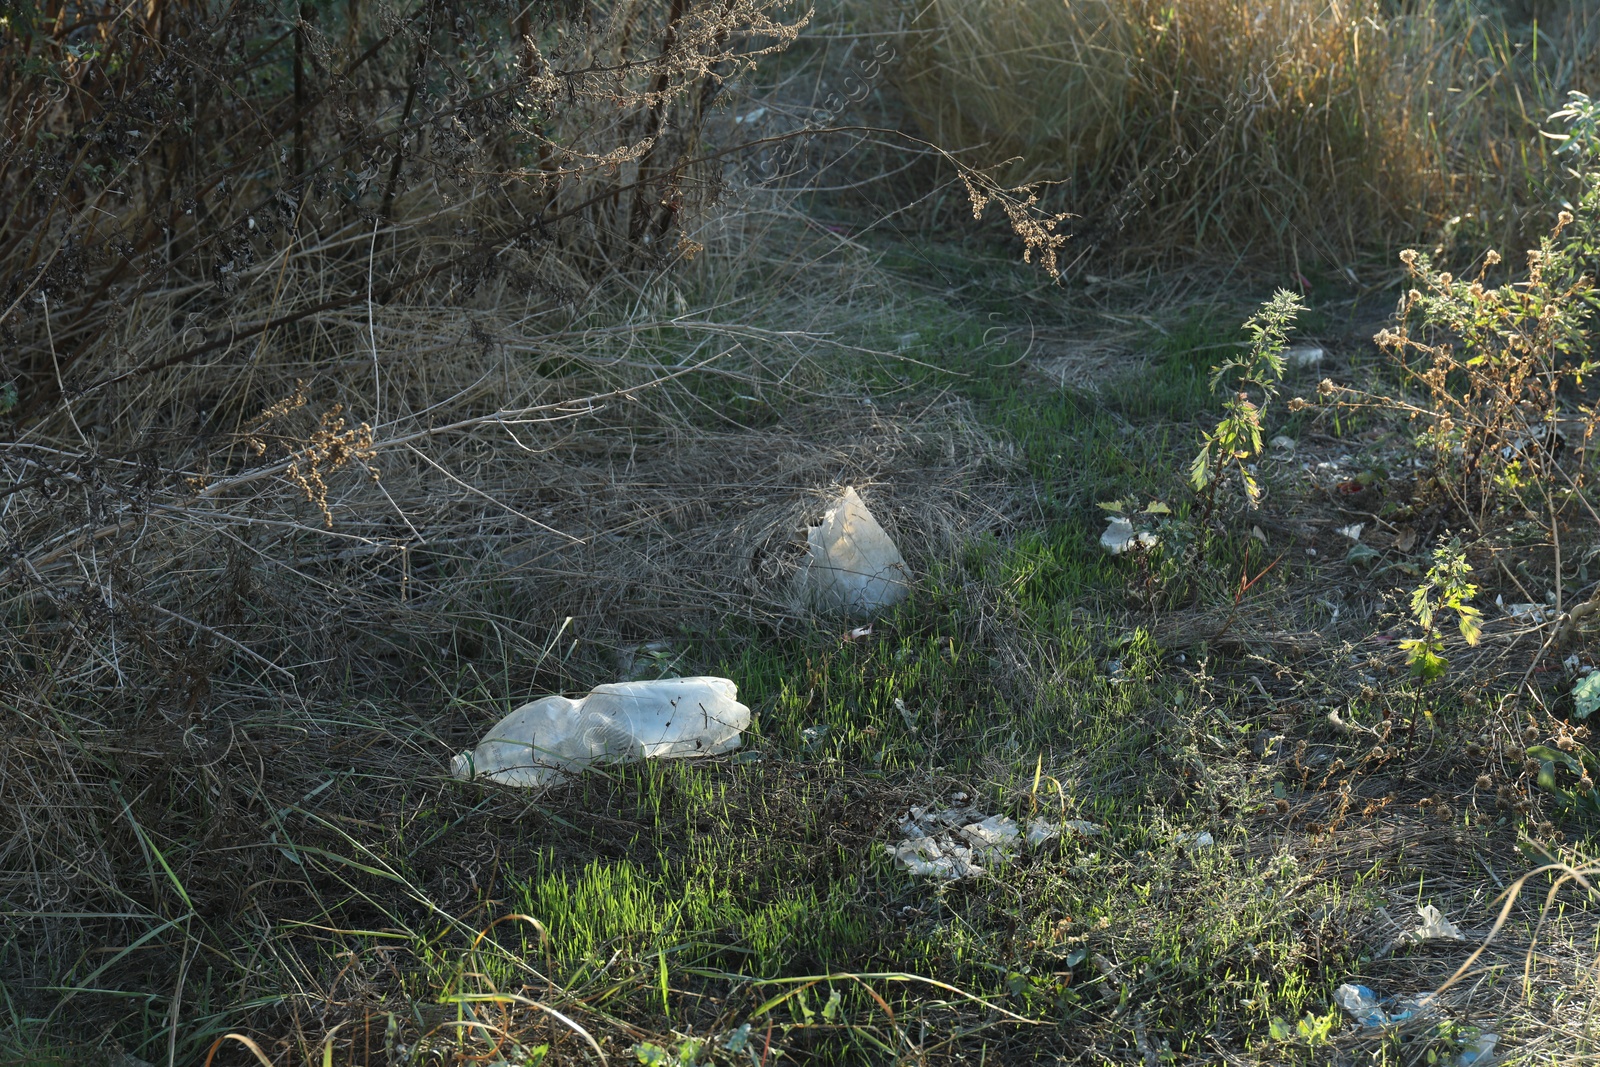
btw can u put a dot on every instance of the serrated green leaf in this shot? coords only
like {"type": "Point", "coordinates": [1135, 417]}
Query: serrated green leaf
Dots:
{"type": "Point", "coordinates": [1200, 469]}
{"type": "Point", "coordinates": [1111, 505]}
{"type": "Point", "coordinates": [1156, 507]}
{"type": "Point", "coordinates": [1424, 658]}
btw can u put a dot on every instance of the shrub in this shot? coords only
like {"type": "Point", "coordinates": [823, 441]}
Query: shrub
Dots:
{"type": "Point", "coordinates": [184, 182]}
{"type": "Point", "coordinates": [1501, 369]}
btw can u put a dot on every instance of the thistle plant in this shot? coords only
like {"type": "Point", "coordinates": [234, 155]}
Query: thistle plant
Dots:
{"type": "Point", "coordinates": [1501, 369]}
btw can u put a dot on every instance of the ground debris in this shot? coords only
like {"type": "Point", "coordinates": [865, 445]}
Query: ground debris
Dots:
{"type": "Point", "coordinates": [955, 843]}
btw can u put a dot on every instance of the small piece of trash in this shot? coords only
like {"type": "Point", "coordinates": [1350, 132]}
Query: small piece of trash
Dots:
{"type": "Point", "coordinates": [907, 716]}
{"type": "Point", "coordinates": [1365, 1008]}
{"type": "Point", "coordinates": [951, 844]}
{"type": "Point", "coordinates": [1353, 531]}
{"type": "Point", "coordinates": [1120, 536]}
{"type": "Point", "coordinates": [1284, 442]}
{"type": "Point", "coordinates": [1478, 1050]}
{"type": "Point", "coordinates": [956, 843]}
{"type": "Point", "coordinates": [754, 116]}
{"type": "Point", "coordinates": [1203, 839]}
{"type": "Point", "coordinates": [1303, 356]}
{"type": "Point", "coordinates": [994, 836]}
{"type": "Point", "coordinates": [1529, 613]}
{"type": "Point", "coordinates": [1042, 831]}
{"type": "Point", "coordinates": [1434, 925]}
{"type": "Point", "coordinates": [1362, 1005]}
{"type": "Point", "coordinates": [1257, 535]}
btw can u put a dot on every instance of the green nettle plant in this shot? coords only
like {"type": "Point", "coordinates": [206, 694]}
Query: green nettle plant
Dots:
{"type": "Point", "coordinates": [1252, 379]}
{"type": "Point", "coordinates": [1444, 589]}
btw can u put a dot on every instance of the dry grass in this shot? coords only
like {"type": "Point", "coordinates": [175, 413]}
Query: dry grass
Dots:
{"type": "Point", "coordinates": [339, 387]}
{"type": "Point", "coordinates": [1300, 132]}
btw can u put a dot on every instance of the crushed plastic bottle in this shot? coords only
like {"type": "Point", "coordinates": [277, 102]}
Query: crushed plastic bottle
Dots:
{"type": "Point", "coordinates": [542, 743]}
{"type": "Point", "coordinates": [852, 566]}
{"type": "Point", "coordinates": [1365, 1008]}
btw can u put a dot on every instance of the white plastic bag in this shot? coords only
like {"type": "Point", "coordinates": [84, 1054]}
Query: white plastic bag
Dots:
{"type": "Point", "coordinates": [542, 742]}
{"type": "Point", "coordinates": [1120, 536]}
{"type": "Point", "coordinates": [852, 566]}
{"type": "Point", "coordinates": [1434, 925]}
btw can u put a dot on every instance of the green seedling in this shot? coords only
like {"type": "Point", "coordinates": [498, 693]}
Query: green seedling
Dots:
{"type": "Point", "coordinates": [1444, 589]}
